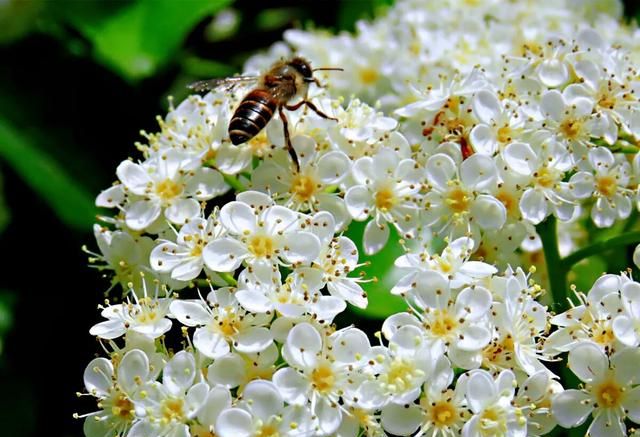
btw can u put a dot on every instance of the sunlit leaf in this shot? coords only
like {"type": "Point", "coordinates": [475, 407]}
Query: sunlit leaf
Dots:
{"type": "Point", "coordinates": [141, 37]}
{"type": "Point", "coordinates": [270, 19]}
{"type": "Point", "coordinates": [381, 302]}
{"type": "Point", "coordinates": [68, 199]}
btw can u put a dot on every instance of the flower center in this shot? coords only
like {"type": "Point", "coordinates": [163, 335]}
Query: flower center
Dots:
{"type": "Point", "coordinates": [122, 407]}
{"type": "Point", "coordinates": [368, 76]}
{"type": "Point", "coordinates": [168, 189]}
{"type": "Point", "coordinates": [229, 325]}
{"type": "Point", "coordinates": [609, 394]}
{"type": "Point", "coordinates": [323, 378]}
{"type": "Point", "coordinates": [545, 177]}
{"type": "Point", "coordinates": [443, 323]}
{"type": "Point", "coordinates": [385, 199]}
{"type": "Point", "coordinates": [443, 414]}
{"type": "Point", "coordinates": [504, 134]}
{"type": "Point", "coordinates": [267, 430]}
{"type": "Point", "coordinates": [261, 246]}
{"type": "Point", "coordinates": [571, 128]}
{"type": "Point", "coordinates": [259, 144]}
{"type": "Point", "coordinates": [303, 187]}
{"type": "Point", "coordinates": [171, 409]}
{"type": "Point", "coordinates": [509, 201]}
{"type": "Point", "coordinates": [401, 376]}
{"type": "Point", "coordinates": [458, 200]}
{"type": "Point", "coordinates": [493, 422]}
{"type": "Point", "coordinates": [606, 185]}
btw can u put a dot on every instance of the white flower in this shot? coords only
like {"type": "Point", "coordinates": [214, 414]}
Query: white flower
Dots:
{"type": "Point", "coordinates": [626, 323]}
{"type": "Point", "coordinates": [237, 369]}
{"type": "Point", "coordinates": [221, 321]}
{"type": "Point", "coordinates": [387, 189]}
{"type": "Point", "coordinates": [262, 412]}
{"type": "Point", "coordinates": [145, 315]}
{"type": "Point", "coordinates": [453, 263]}
{"type": "Point", "coordinates": [607, 182]}
{"type": "Point", "coordinates": [170, 405]}
{"type": "Point", "coordinates": [491, 404]}
{"type": "Point", "coordinates": [114, 389]}
{"type": "Point", "coordinates": [183, 259]}
{"type": "Point", "coordinates": [310, 188]}
{"type": "Point", "coordinates": [545, 168]}
{"type": "Point", "coordinates": [441, 412]}
{"type": "Point", "coordinates": [170, 181]}
{"type": "Point", "coordinates": [534, 398]}
{"type": "Point", "coordinates": [457, 323]}
{"type": "Point", "coordinates": [519, 322]}
{"type": "Point", "coordinates": [459, 201]}
{"type": "Point", "coordinates": [610, 392]}
{"type": "Point", "coordinates": [323, 370]}
{"type": "Point", "coordinates": [270, 235]}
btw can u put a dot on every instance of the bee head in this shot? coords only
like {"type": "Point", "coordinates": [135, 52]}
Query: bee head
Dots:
{"type": "Point", "coordinates": [302, 66]}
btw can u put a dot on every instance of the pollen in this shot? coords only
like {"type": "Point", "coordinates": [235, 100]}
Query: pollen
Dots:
{"type": "Point", "coordinates": [122, 407]}
{"type": "Point", "coordinates": [504, 134]}
{"type": "Point", "coordinates": [609, 394]}
{"type": "Point", "coordinates": [168, 189]}
{"type": "Point", "coordinates": [606, 185]}
{"type": "Point", "coordinates": [458, 200]}
{"type": "Point", "coordinates": [172, 410]}
{"type": "Point", "coordinates": [443, 324]}
{"type": "Point", "coordinates": [545, 178]}
{"type": "Point", "coordinates": [323, 378]}
{"type": "Point", "coordinates": [229, 325]}
{"type": "Point", "coordinates": [267, 430]}
{"type": "Point", "coordinates": [369, 76]}
{"type": "Point", "coordinates": [261, 246]}
{"type": "Point", "coordinates": [443, 414]}
{"type": "Point", "coordinates": [303, 187]}
{"type": "Point", "coordinates": [385, 199]}
{"type": "Point", "coordinates": [571, 128]}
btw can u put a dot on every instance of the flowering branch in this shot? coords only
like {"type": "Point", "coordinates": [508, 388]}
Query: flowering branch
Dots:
{"type": "Point", "coordinates": [627, 239]}
{"type": "Point", "coordinates": [556, 269]}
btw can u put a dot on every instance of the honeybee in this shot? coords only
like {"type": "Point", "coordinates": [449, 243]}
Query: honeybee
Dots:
{"type": "Point", "coordinates": [282, 83]}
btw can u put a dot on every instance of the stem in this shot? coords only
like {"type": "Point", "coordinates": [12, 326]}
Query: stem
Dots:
{"type": "Point", "coordinates": [600, 246]}
{"type": "Point", "coordinates": [235, 183]}
{"type": "Point", "coordinates": [556, 269]}
{"type": "Point", "coordinates": [228, 278]}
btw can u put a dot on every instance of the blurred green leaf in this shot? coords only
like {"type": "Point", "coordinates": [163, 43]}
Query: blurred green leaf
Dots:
{"type": "Point", "coordinates": [5, 213]}
{"type": "Point", "coordinates": [206, 68]}
{"type": "Point", "coordinates": [7, 303]}
{"type": "Point", "coordinates": [585, 273]}
{"type": "Point", "coordinates": [17, 18]}
{"type": "Point", "coordinates": [381, 302]}
{"type": "Point", "coordinates": [70, 202]}
{"type": "Point", "coordinates": [352, 11]}
{"type": "Point", "coordinates": [142, 36]}
{"type": "Point", "coordinates": [276, 18]}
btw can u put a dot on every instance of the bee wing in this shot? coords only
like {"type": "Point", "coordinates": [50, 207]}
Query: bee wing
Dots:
{"type": "Point", "coordinates": [226, 82]}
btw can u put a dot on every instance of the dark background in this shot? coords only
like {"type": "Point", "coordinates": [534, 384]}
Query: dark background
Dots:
{"type": "Point", "coordinates": [84, 116]}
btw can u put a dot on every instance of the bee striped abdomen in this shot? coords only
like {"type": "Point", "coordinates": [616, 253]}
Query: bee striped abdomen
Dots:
{"type": "Point", "coordinates": [251, 116]}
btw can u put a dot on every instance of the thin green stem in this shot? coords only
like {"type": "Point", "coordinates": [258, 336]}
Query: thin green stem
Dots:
{"type": "Point", "coordinates": [229, 279]}
{"type": "Point", "coordinates": [556, 269]}
{"type": "Point", "coordinates": [598, 247]}
{"type": "Point", "coordinates": [234, 183]}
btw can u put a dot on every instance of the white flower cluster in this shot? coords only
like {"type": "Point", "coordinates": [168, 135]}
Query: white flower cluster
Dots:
{"type": "Point", "coordinates": [499, 117]}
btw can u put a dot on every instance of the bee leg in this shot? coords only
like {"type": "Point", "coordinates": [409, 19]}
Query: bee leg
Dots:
{"type": "Point", "coordinates": [287, 139]}
{"type": "Point", "coordinates": [311, 106]}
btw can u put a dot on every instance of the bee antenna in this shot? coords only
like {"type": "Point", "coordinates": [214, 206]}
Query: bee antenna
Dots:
{"type": "Point", "coordinates": [328, 69]}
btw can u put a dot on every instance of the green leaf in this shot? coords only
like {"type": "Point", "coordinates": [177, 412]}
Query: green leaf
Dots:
{"type": "Point", "coordinates": [585, 273]}
{"type": "Point", "coordinates": [70, 202]}
{"type": "Point", "coordinates": [143, 36]}
{"type": "Point", "coordinates": [381, 302]}
{"type": "Point", "coordinates": [5, 213]}
{"type": "Point", "coordinates": [352, 11]}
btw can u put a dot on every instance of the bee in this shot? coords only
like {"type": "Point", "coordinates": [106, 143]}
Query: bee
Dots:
{"type": "Point", "coordinates": [285, 81]}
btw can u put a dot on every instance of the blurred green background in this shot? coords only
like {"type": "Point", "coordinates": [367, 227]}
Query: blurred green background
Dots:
{"type": "Point", "coordinates": [79, 79]}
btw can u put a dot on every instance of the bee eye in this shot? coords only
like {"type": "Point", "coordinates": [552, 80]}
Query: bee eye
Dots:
{"type": "Point", "coordinates": [302, 66]}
